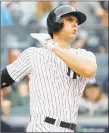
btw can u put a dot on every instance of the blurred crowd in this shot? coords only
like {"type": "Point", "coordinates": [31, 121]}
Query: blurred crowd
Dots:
{"type": "Point", "coordinates": [93, 36]}
{"type": "Point", "coordinates": [34, 14]}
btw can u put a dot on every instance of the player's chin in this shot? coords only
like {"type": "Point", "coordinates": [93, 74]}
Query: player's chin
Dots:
{"type": "Point", "coordinates": [73, 36]}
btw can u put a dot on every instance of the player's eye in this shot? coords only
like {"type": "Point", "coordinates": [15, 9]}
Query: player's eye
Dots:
{"type": "Point", "coordinates": [70, 19]}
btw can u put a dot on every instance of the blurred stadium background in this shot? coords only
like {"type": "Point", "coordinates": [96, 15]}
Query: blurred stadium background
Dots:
{"type": "Point", "coordinates": [18, 20]}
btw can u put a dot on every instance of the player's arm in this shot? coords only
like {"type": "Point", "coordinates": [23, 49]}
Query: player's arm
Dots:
{"type": "Point", "coordinates": [18, 69]}
{"type": "Point", "coordinates": [79, 64]}
{"type": "Point", "coordinates": [6, 80]}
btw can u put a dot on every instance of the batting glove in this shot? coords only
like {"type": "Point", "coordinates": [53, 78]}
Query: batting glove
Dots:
{"type": "Point", "coordinates": [44, 39]}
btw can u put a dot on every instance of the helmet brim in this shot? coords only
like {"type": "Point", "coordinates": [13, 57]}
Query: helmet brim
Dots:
{"type": "Point", "coordinates": [80, 16]}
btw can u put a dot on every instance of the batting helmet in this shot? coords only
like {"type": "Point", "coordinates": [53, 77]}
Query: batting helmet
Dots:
{"type": "Point", "coordinates": [55, 22]}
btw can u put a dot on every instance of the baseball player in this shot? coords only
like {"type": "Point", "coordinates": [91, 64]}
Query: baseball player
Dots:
{"type": "Point", "coordinates": [57, 73]}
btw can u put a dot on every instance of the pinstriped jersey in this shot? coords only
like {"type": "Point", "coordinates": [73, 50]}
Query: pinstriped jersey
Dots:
{"type": "Point", "coordinates": [55, 89]}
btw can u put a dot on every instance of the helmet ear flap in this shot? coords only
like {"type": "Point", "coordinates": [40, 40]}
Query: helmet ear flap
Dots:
{"type": "Point", "coordinates": [54, 23]}
{"type": "Point", "coordinates": [58, 24]}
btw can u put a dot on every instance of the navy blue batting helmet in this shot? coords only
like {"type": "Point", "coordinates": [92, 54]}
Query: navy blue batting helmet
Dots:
{"type": "Point", "coordinates": [54, 19]}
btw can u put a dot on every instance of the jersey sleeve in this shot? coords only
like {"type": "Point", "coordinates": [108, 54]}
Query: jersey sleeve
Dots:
{"type": "Point", "coordinates": [92, 57]}
{"type": "Point", "coordinates": [89, 55]}
{"type": "Point", "coordinates": [22, 66]}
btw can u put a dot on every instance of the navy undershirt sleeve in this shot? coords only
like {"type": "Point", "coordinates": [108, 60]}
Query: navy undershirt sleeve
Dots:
{"type": "Point", "coordinates": [6, 80]}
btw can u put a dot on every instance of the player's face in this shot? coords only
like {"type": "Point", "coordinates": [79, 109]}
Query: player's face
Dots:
{"type": "Point", "coordinates": [70, 27]}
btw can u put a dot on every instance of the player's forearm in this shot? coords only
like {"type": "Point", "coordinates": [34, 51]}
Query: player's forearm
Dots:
{"type": "Point", "coordinates": [80, 65]}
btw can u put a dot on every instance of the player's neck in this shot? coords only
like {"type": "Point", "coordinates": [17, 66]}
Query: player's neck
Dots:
{"type": "Point", "coordinates": [62, 42]}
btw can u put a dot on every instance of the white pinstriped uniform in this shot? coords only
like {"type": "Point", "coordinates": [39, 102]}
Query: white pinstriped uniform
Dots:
{"type": "Point", "coordinates": [52, 92]}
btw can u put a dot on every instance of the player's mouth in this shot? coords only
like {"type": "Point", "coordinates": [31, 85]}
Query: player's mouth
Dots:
{"type": "Point", "coordinates": [74, 32]}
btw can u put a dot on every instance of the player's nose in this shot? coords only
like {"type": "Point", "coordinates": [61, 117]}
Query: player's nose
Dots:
{"type": "Point", "coordinates": [74, 24]}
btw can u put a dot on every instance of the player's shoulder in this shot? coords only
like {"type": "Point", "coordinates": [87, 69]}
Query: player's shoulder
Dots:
{"type": "Point", "coordinates": [34, 49]}
{"type": "Point", "coordinates": [85, 52]}
{"type": "Point", "coordinates": [31, 48]}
